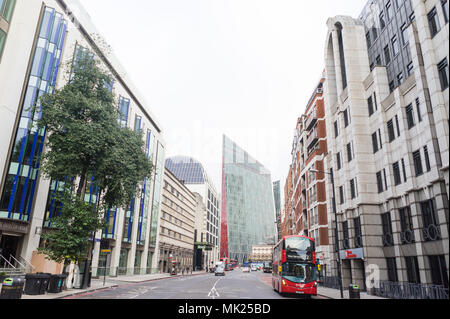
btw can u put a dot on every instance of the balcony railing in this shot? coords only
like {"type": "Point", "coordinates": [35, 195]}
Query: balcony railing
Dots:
{"type": "Point", "coordinates": [311, 120]}
{"type": "Point", "coordinates": [388, 240]}
{"type": "Point", "coordinates": [312, 138]}
{"type": "Point", "coordinates": [431, 233]}
{"type": "Point", "coordinates": [404, 290]}
{"type": "Point", "coordinates": [407, 237]}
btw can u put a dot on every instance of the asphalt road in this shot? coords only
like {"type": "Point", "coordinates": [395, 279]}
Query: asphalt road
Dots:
{"type": "Point", "coordinates": [234, 285]}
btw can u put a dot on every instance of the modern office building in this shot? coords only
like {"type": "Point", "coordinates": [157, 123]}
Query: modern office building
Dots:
{"type": "Point", "coordinates": [248, 210]}
{"type": "Point", "coordinates": [177, 225]}
{"type": "Point", "coordinates": [308, 200]}
{"type": "Point", "coordinates": [277, 201]}
{"type": "Point", "coordinates": [387, 109]}
{"type": "Point", "coordinates": [207, 237]}
{"type": "Point", "coordinates": [37, 40]}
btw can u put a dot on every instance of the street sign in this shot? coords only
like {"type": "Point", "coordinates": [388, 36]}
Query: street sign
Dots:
{"type": "Point", "coordinates": [106, 251]}
{"type": "Point", "coordinates": [357, 253]}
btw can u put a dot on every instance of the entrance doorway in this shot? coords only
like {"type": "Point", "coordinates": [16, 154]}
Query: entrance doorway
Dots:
{"type": "Point", "coordinates": [9, 246]}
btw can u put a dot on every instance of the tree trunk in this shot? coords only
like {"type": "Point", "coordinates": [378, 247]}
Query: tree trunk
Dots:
{"type": "Point", "coordinates": [82, 184]}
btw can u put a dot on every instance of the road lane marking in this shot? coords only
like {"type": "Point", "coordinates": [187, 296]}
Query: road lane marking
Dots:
{"type": "Point", "coordinates": [214, 293]}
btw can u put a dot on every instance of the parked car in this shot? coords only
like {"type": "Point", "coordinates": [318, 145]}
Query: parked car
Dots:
{"type": "Point", "coordinates": [254, 268]}
{"type": "Point", "coordinates": [245, 269]}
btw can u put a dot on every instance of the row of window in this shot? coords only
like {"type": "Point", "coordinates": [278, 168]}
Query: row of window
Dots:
{"type": "Point", "coordinates": [172, 219]}
{"type": "Point", "coordinates": [353, 191]}
{"type": "Point", "coordinates": [433, 19]}
{"type": "Point", "coordinates": [437, 264]}
{"type": "Point", "coordinates": [430, 225]}
{"type": "Point", "coordinates": [399, 170]}
{"type": "Point", "coordinates": [173, 205]}
{"type": "Point", "coordinates": [170, 233]}
{"type": "Point", "coordinates": [358, 242]}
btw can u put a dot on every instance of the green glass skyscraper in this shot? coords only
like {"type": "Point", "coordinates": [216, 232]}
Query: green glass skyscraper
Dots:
{"type": "Point", "coordinates": [248, 210]}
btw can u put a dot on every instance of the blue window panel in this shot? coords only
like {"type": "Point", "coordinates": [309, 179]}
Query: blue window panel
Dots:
{"type": "Point", "coordinates": [38, 62]}
{"type": "Point", "coordinates": [28, 148]}
{"type": "Point", "coordinates": [141, 212]}
{"type": "Point", "coordinates": [46, 23]}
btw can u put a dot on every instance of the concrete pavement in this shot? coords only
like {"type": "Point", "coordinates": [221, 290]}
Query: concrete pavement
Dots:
{"type": "Point", "coordinates": [98, 284]}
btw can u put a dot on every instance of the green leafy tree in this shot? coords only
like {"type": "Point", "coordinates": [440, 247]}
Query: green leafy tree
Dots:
{"type": "Point", "coordinates": [84, 139]}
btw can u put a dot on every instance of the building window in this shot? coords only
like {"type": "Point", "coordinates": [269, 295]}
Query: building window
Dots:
{"type": "Point", "coordinates": [431, 230]}
{"type": "Point", "coordinates": [391, 130]}
{"type": "Point", "coordinates": [346, 242]}
{"type": "Point", "coordinates": [388, 239]}
{"type": "Point", "coordinates": [412, 270]}
{"type": "Point", "coordinates": [389, 14]}
{"type": "Point", "coordinates": [410, 69]}
{"type": "Point", "coordinates": [438, 270]}
{"type": "Point", "coordinates": [346, 118]}
{"type": "Point", "coordinates": [382, 22]}
{"type": "Point", "coordinates": [391, 86]}
{"type": "Point", "coordinates": [336, 129]}
{"type": "Point", "coordinates": [2, 41]}
{"type": "Point", "coordinates": [403, 34]}
{"type": "Point", "coordinates": [417, 163]}
{"type": "Point", "coordinates": [444, 4]}
{"type": "Point", "coordinates": [138, 124]}
{"type": "Point", "coordinates": [379, 136]}
{"type": "Point", "coordinates": [404, 170]}
{"type": "Point", "coordinates": [433, 21]}
{"type": "Point", "coordinates": [6, 9]}
{"type": "Point", "coordinates": [341, 195]}
{"type": "Point", "coordinates": [443, 73]}
{"type": "Point", "coordinates": [397, 176]}
{"type": "Point", "coordinates": [378, 60]}
{"type": "Point", "coordinates": [353, 188]}
{"type": "Point", "coordinates": [407, 234]}
{"type": "Point", "coordinates": [380, 182]}
{"type": "Point", "coordinates": [400, 78]}
{"type": "Point", "coordinates": [427, 158]}
{"type": "Point", "coordinates": [358, 232]}
{"type": "Point", "coordinates": [370, 105]}
{"type": "Point", "coordinates": [375, 142]}
{"type": "Point", "coordinates": [398, 126]}
{"type": "Point", "coordinates": [395, 49]}
{"type": "Point", "coordinates": [374, 33]}
{"type": "Point", "coordinates": [387, 55]}
{"type": "Point", "coordinates": [349, 152]}
{"type": "Point", "coordinates": [338, 160]}
{"type": "Point", "coordinates": [392, 269]}
{"type": "Point", "coordinates": [124, 108]}
{"type": "Point", "coordinates": [419, 113]}
{"type": "Point", "coordinates": [368, 39]}
{"type": "Point", "coordinates": [410, 116]}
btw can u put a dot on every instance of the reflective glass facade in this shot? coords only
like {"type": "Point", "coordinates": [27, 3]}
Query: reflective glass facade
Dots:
{"type": "Point", "coordinates": [186, 169]}
{"type": "Point", "coordinates": [248, 210]}
{"type": "Point", "coordinates": [18, 194]}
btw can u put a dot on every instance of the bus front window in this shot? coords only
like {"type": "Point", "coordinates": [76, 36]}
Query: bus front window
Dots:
{"type": "Point", "coordinates": [299, 273]}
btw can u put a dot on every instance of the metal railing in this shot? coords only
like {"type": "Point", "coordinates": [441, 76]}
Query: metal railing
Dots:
{"type": "Point", "coordinates": [123, 271]}
{"type": "Point", "coordinates": [330, 282]}
{"type": "Point", "coordinates": [404, 290]}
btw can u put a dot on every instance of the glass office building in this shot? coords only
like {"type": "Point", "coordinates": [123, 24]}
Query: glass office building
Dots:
{"type": "Point", "coordinates": [248, 210]}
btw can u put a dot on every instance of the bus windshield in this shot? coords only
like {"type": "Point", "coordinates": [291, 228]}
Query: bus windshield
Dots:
{"type": "Point", "coordinates": [267, 264]}
{"type": "Point", "coordinates": [299, 249]}
{"type": "Point", "coordinates": [299, 273]}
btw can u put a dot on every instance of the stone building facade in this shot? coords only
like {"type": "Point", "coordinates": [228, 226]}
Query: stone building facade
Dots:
{"type": "Point", "coordinates": [177, 225]}
{"type": "Point", "coordinates": [387, 103]}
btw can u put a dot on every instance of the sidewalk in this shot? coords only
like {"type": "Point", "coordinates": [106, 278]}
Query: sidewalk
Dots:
{"type": "Point", "coordinates": [110, 282]}
{"type": "Point", "coordinates": [336, 294]}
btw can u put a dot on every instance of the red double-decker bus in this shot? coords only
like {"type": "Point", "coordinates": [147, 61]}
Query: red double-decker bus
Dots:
{"type": "Point", "coordinates": [294, 266]}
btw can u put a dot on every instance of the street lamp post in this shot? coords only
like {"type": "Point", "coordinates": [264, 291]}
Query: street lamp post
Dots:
{"type": "Point", "coordinates": [336, 231]}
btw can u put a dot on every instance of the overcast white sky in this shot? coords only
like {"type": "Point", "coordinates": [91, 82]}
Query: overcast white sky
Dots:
{"type": "Point", "coordinates": [244, 68]}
